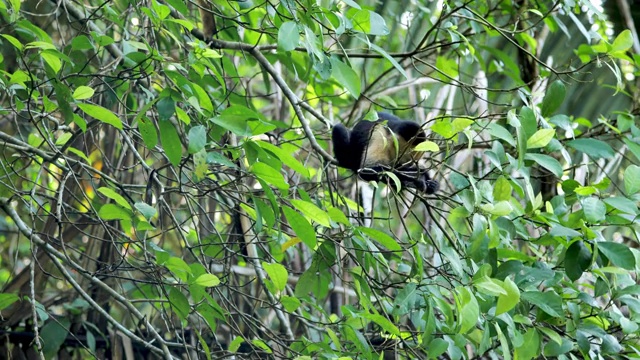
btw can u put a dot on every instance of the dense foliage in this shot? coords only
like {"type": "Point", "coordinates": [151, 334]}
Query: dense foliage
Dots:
{"type": "Point", "coordinates": [166, 194]}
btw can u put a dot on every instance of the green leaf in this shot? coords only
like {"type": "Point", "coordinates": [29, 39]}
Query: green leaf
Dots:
{"type": "Point", "coordinates": [594, 210]}
{"type": "Point", "coordinates": [111, 194]}
{"type": "Point", "coordinates": [102, 114]}
{"type": "Point", "coordinates": [114, 212]}
{"type": "Point", "coordinates": [166, 107]}
{"type": "Point", "coordinates": [384, 323]}
{"type": "Point", "coordinates": [313, 212]}
{"type": "Point", "coordinates": [510, 299]}
{"type": "Point", "coordinates": [346, 77]}
{"type": "Point", "coordinates": [490, 286]}
{"type": "Point", "coordinates": [146, 210]}
{"type": "Point", "coordinates": [170, 141]}
{"type": "Point", "coordinates": [540, 138]}
{"type": "Point", "coordinates": [381, 237]}
{"type": "Point", "coordinates": [622, 204]}
{"type": "Point", "coordinates": [623, 42]}
{"type": "Point", "coordinates": [468, 309]}
{"type": "Point", "coordinates": [529, 347]}
{"type": "Point", "coordinates": [277, 273]}
{"type": "Point", "coordinates": [7, 299]}
{"type": "Point", "coordinates": [368, 22]}
{"type": "Point", "coordinates": [427, 146]}
{"type": "Point", "coordinates": [269, 175]}
{"type": "Point", "coordinates": [148, 132]}
{"type": "Point", "coordinates": [389, 58]}
{"type": "Point", "coordinates": [553, 98]}
{"type": "Point", "coordinates": [502, 189]}
{"type": "Point", "coordinates": [236, 118]}
{"type": "Point", "coordinates": [549, 302]}
{"type": "Point", "coordinates": [576, 260]}
{"type": "Point", "coordinates": [288, 36]}
{"type": "Point", "coordinates": [290, 303]}
{"type": "Point", "coordinates": [52, 58]}
{"type": "Point", "coordinates": [83, 92]}
{"type": "Point", "coordinates": [179, 303]}
{"type": "Point", "coordinates": [207, 280]}
{"type": "Point", "coordinates": [499, 132]}
{"type": "Point", "coordinates": [53, 334]}
{"type": "Point", "coordinates": [593, 148]}
{"type": "Point", "coordinates": [619, 254]}
{"type": "Point", "coordinates": [301, 227]}
{"type": "Point", "coordinates": [632, 179]}
{"type": "Point", "coordinates": [286, 158]}
{"type": "Point", "coordinates": [197, 138]}
{"type": "Point", "coordinates": [15, 42]}
{"type": "Point", "coordinates": [546, 162]}
{"type": "Point", "coordinates": [178, 267]}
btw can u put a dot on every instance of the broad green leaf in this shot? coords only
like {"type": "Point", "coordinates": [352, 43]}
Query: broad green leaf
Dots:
{"type": "Point", "coordinates": [146, 210]}
{"type": "Point", "coordinates": [384, 323]}
{"type": "Point", "coordinates": [510, 299]}
{"type": "Point", "coordinates": [490, 286]}
{"type": "Point", "coordinates": [381, 237]}
{"type": "Point", "coordinates": [530, 347]}
{"type": "Point", "coordinates": [111, 194]}
{"type": "Point", "coordinates": [290, 303]}
{"type": "Point", "coordinates": [619, 254]}
{"type": "Point", "coordinates": [468, 309]}
{"type": "Point", "coordinates": [547, 162]}
{"type": "Point", "coordinates": [7, 299]}
{"type": "Point", "coordinates": [15, 42]}
{"type": "Point", "coordinates": [499, 132]}
{"type": "Point", "coordinates": [288, 36]}
{"type": "Point", "coordinates": [548, 301]}
{"type": "Point", "coordinates": [269, 175]}
{"type": "Point", "coordinates": [178, 267]}
{"type": "Point", "coordinates": [576, 260]}
{"type": "Point", "coordinates": [300, 226]}
{"type": "Point", "coordinates": [52, 58]}
{"type": "Point", "coordinates": [346, 77]}
{"type": "Point", "coordinates": [197, 138]}
{"type": "Point", "coordinates": [623, 42]}
{"type": "Point", "coordinates": [236, 119]}
{"type": "Point", "coordinates": [277, 273]}
{"type": "Point", "coordinates": [540, 138]}
{"type": "Point", "coordinates": [500, 208]}
{"type": "Point", "coordinates": [102, 114]}
{"type": "Point", "coordinates": [427, 146]}
{"type": "Point", "coordinates": [632, 179]}
{"type": "Point", "coordinates": [207, 280]}
{"type": "Point", "coordinates": [368, 22]}
{"type": "Point", "coordinates": [83, 92]}
{"type": "Point", "coordinates": [593, 148]}
{"type": "Point", "coordinates": [594, 209]}
{"type": "Point", "coordinates": [148, 132]}
{"type": "Point", "coordinates": [285, 157]}
{"type": "Point", "coordinates": [553, 98]}
{"type": "Point", "coordinates": [114, 212]}
{"type": "Point", "coordinates": [313, 212]}
{"type": "Point", "coordinates": [170, 141]}
{"type": "Point", "coordinates": [559, 230]}
{"type": "Point", "coordinates": [179, 303]}
{"type": "Point", "coordinates": [622, 204]}
{"type": "Point", "coordinates": [53, 335]}
{"type": "Point", "coordinates": [389, 58]}
{"type": "Point", "coordinates": [502, 189]}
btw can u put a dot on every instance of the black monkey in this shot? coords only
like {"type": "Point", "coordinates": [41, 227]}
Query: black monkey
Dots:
{"type": "Point", "coordinates": [370, 149]}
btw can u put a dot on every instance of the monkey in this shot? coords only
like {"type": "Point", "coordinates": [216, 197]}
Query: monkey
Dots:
{"type": "Point", "coordinates": [372, 148]}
